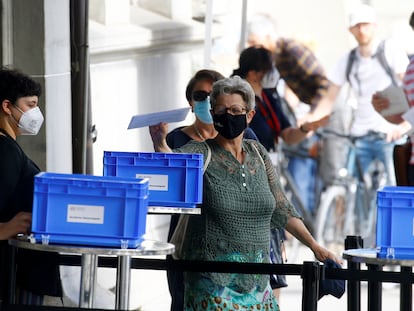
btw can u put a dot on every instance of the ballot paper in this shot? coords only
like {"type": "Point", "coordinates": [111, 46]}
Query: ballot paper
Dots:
{"type": "Point", "coordinates": [398, 101]}
{"type": "Point", "coordinates": [168, 116]}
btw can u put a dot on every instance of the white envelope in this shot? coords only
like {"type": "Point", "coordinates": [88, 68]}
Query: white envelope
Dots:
{"type": "Point", "coordinates": [169, 116]}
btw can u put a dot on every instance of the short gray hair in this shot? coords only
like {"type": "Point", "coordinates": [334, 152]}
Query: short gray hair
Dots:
{"type": "Point", "coordinates": [233, 85]}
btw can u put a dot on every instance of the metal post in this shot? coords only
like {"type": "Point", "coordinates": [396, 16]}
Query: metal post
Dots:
{"type": "Point", "coordinates": [12, 274]}
{"type": "Point", "coordinates": [243, 31]}
{"type": "Point", "coordinates": [79, 24]}
{"type": "Point", "coordinates": [354, 287]}
{"type": "Point", "coordinates": [406, 294]}
{"type": "Point", "coordinates": [374, 290]}
{"type": "Point", "coordinates": [310, 289]}
{"type": "Point", "coordinates": [88, 281]}
{"type": "Point", "coordinates": [123, 279]}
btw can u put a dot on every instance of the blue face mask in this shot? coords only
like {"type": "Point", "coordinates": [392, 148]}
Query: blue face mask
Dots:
{"type": "Point", "coordinates": [202, 111]}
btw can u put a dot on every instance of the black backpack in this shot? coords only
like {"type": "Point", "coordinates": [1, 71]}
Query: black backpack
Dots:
{"type": "Point", "coordinates": [381, 58]}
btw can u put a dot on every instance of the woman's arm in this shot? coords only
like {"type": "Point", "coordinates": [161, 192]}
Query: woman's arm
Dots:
{"type": "Point", "coordinates": [297, 228]}
{"type": "Point", "coordinates": [325, 104]}
{"type": "Point", "coordinates": [294, 135]}
{"type": "Point", "coordinates": [11, 166]}
{"type": "Point", "coordinates": [18, 224]}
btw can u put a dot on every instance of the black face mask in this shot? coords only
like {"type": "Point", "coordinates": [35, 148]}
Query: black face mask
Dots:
{"type": "Point", "coordinates": [228, 125]}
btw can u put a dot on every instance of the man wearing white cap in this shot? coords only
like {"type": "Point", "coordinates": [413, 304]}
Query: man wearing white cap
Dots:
{"type": "Point", "coordinates": [371, 67]}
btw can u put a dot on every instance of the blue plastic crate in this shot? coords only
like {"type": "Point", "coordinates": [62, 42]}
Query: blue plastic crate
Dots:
{"type": "Point", "coordinates": [395, 222]}
{"type": "Point", "coordinates": [175, 179]}
{"type": "Point", "coordinates": [89, 210]}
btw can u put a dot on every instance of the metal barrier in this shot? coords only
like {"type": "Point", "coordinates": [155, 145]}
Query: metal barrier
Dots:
{"type": "Point", "coordinates": [375, 276]}
{"type": "Point", "coordinates": [310, 272]}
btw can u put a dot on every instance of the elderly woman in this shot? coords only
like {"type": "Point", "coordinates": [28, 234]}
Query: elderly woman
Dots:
{"type": "Point", "coordinates": [197, 94]}
{"type": "Point", "coordinates": [242, 200]}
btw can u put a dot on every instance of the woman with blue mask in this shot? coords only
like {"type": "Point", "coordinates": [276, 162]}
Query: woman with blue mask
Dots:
{"type": "Point", "coordinates": [197, 94]}
{"type": "Point", "coordinates": [202, 107]}
{"type": "Point", "coordinates": [37, 272]}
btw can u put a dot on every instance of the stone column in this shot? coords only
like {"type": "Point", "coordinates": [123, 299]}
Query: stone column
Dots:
{"type": "Point", "coordinates": [40, 47]}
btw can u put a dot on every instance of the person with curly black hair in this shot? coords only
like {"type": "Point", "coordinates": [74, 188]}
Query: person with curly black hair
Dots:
{"type": "Point", "coordinates": [37, 272]}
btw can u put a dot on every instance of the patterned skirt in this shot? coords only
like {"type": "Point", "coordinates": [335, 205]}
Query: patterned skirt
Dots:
{"type": "Point", "coordinates": [205, 295]}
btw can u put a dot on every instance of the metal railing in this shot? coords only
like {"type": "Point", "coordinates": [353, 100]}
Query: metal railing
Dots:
{"type": "Point", "coordinates": [311, 273]}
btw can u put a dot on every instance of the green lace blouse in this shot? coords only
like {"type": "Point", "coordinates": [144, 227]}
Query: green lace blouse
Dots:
{"type": "Point", "coordinates": [241, 203]}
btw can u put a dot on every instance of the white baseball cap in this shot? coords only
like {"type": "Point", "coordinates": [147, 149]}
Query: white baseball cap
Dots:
{"type": "Point", "coordinates": [363, 13]}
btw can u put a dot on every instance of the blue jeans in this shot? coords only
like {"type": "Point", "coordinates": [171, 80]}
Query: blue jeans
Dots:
{"type": "Point", "coordinates": [303, 171]}
{"type": "Point", "coordinates": [370, 148]}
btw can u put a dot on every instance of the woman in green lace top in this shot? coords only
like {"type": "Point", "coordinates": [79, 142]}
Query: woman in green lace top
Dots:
{"type": "Point", "coordinates": [242, 200]}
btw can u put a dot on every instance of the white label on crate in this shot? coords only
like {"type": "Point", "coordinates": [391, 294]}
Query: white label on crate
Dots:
{"type": "Point", "coordinates": [90, 214]}
{"type": "Point", "coordinates": [156, 182]}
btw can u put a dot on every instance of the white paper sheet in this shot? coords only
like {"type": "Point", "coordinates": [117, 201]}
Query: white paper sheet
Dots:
{"type": "Point", "coordinates": [169, 116]}
{"type": "Point", "coordinates": [398, 101]}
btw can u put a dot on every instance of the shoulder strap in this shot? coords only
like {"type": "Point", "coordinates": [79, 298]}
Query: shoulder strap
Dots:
{"type": "Point", "coordinates": [380, 53]}
{"type": "Point", "coordinates": [260, 156]}
{"type": "Point", "coordinates": [350, 62]}
{"type": "Point", "coordinates": [208, 158]}
{"type": "Point", "coordinates": [384, 63]}
{"type": "Point", "coordinates": [268, 113]}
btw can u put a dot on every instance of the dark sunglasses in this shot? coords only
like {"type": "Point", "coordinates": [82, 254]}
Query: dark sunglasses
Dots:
{"type": "Point", "coordinates": [199, 96]}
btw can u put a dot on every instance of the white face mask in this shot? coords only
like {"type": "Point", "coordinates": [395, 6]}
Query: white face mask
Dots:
{"type": "Point", "coordinates": [31, 121]}
{"type": "Point", "coordinates": [270, 79]}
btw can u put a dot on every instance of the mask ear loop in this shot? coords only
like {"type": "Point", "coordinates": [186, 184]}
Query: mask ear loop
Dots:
{"type": "Point", "coordinates": [18, 109]}
{"type": "Point", "coordinates": [15, 106]}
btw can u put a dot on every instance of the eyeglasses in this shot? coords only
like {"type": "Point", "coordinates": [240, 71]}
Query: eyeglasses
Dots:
{"type": "Point", "coordinates": [234, 110]}
{"type": "Point", "coordinates": [200, 96]}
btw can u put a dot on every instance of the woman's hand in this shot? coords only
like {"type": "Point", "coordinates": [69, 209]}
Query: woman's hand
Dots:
{"type": "Point", "coordinates": [296, 227]}
{"type": "Point", "coordinates": [158, 134]}
{"type": "Point", "coordinates": [322, 254]}
{"type": "Point", "coordinates": [19, 224]}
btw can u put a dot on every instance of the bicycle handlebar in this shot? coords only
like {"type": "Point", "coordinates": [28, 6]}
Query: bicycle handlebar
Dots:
{"type": "Point", "coordinates": [322, 132]}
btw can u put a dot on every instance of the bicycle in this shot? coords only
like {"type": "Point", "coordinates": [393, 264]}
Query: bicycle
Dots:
{"type": "Point", "coordinates": [348, 205]}
{"type": "Point", "coordinates": [289, 184]}
{"type": "Point", "coordinates": [283, 153]}
{"type": "Point", "coordinates": [280, 160]}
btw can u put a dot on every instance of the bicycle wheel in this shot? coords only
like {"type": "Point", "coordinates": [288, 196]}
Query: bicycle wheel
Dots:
{"type": "Point", "coordinates": [292, 193]}
{"type": "Point", "coordinates": [363, 208]}
{"type": "Point", "coordinates": [292, 244]}
{"type": "Point", "coordinates": [331, 222]}
{"type": "Point", "coordinates": [374, 178]}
